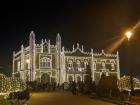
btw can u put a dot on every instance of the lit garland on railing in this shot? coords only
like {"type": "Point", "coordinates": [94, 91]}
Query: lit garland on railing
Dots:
{"type": "Point", "coordinates": [124, 83]}
{"type": "Point", "coordinates": [9, 84]}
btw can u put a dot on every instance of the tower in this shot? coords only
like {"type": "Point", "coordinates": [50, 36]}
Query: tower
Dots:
{"type": "Point", "coordinates": [58, 42]}
{"type": "Point", "coordinates": [58, 46]}
{"type": "Point", "coordinates": [32, 56]}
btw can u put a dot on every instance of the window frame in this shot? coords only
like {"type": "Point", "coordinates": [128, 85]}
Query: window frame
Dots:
{"type": "Point", "coordinates": [46, 59]}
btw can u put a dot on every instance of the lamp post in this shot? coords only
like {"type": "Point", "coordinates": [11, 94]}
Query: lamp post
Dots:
{"type": "Point", "coordinates": [129, 36]}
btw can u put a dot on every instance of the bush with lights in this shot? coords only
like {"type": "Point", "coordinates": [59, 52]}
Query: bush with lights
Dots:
{"type": "Point", "coordinates": [125, 84]}
{"type": "Point", "coordinates": [11, 85]}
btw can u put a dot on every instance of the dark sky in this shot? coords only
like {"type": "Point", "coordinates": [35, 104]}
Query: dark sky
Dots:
{"type": "Point", "coordinates": [91, 23]}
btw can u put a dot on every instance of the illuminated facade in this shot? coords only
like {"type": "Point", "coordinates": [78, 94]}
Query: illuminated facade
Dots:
{"type": "Point", "coordinates": [48, 63]}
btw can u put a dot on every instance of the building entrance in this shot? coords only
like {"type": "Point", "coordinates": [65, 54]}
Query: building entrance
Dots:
{"type": "Point", "coordinates": [45, 78]}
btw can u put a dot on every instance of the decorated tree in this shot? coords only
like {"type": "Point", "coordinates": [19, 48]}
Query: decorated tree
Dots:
{"type": "Point", "coordinates": [124, 83]}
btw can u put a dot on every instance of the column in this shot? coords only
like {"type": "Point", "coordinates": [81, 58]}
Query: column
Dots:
{"type": "Point", "coordinates": [118, 66]}
{"type": "Point", "coordinates": [13, 63]}
{"type": "Point", "coordinates": [92, 65]}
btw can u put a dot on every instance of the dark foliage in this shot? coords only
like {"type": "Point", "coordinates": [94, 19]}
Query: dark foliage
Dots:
{"type": "Point", "coordinates": [107, 87]}
{"type": "Point", "coordinates": [20, 95]}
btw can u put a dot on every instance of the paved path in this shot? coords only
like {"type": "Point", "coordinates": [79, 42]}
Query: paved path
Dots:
{"type": "Point", "coordinates": [62, 98]}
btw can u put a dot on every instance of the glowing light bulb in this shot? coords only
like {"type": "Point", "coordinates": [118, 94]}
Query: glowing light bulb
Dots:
{"type": "Point", "coordinates": [128, 35]}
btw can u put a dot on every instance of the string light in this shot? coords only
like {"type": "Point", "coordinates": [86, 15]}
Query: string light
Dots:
{"type": "Point", "coordinates": [124, 83]}
{"type": "Point", "coordinates": [10, 84]}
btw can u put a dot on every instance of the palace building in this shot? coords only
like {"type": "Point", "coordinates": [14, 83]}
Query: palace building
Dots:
{"type": "Point", "coordinates": [45, 62]}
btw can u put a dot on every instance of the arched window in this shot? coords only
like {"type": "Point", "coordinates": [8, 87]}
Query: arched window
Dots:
{"type": "Point", "coordinates": [78, 65]}
{"type": "Point", "coordinates": [45, 62]}
{"type": "Point", "coordinates": [70, 78]}
{"type": "Point", "coordinates": [70, 65]}
{"type": "Point", "coordinates": [112, 66]}
{"type": "Point", "coordinates": [18, 65]}
{"type": "Point", "coordinates": [28, 63]}
{"type": "Point", "coordinates": [78, 78]}
{"type": "Point", "coordinates": [86, 78]}
{"type": "Point", "coordinates": [85, 64]}
{"type": "Point", "coordinates": [103, 66]}
{"type": "Point", "coordinates": [45, 47]}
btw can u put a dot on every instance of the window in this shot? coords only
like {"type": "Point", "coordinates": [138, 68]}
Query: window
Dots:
{"type": "Point", "coordinates": [70, 64]}
{"type": "Point", "coordinates": [112, 66]}
{"type": "Point", "coordinates": [45, 47]}
{"type": "Point", "coordinates": [70, 78]}
{"type": "Point", "coordinates": [27, 63]}
{"type": "Point", "coordinates": [78, 78]}
{"type": "Point", "coordinates": [18, 65]}
{"type": "Point", "coordinates": [103, 66]}
{"type": "Point", "coordinates": [79, 65]}
{"type": "Point", "coordinates": [85, 64]}
{"type": "Point", "coordinates": [45, 62]}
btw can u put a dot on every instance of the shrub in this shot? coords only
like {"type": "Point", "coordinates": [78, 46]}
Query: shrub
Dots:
{"type": "Point", "coordinates": [19, 95]}
{"type": "Point", "coordinates": [107, 87]}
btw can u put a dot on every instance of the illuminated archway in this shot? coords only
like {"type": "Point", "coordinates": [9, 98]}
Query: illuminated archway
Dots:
{"type": "Point", "coordinates": [70, 78]}
{"type": "Point", "coordinates": [45, 78]}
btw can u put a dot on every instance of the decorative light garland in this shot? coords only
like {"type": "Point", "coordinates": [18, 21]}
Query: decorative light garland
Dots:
{"type": "Point", "coordinates": [10, 84]}
{"type": "Point", "coordinates": [124, 83]}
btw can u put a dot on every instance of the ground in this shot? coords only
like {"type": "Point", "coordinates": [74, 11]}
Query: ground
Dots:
{"type": "Point", "coordinates": [62, 98]}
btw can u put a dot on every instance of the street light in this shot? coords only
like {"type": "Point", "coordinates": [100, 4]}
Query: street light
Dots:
{"type": "Point", "coordinates": [128, 35]}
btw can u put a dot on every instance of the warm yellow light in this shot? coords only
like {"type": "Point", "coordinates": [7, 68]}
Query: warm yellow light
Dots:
{"type": "Point", "coordinates": [128, 34]}
{"type": "Point", "coordinates": [27, 60]}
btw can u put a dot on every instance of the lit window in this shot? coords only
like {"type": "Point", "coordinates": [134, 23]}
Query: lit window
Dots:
{"type": "Point", "coordinates": [85, 64]}
{"type": "Point", "coordinates": [70, 64]}
{"type": "Point", "coordinates": [45, 62]}
{"type": "Point", "coordinates": [112, 66]}
{"type": "Point", "coordinates": [79, 69]}
{"type": "Point", "coordinates": [18, 65]}
{"type": "Point", "coordinates": [78, 65]}
{"type": "Point", "coordinates": [28, 63]}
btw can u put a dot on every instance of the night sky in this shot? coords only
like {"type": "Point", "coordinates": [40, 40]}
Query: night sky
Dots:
{"type": "Point", "coordinates": [95, 24]}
